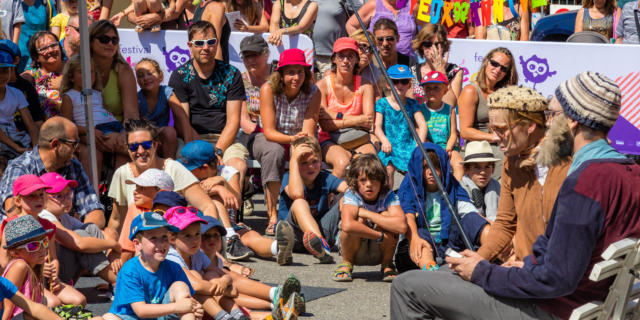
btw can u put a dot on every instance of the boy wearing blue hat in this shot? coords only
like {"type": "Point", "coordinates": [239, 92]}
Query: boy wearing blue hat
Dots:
{"type": "Point", "coordinates": [12, 141]}
{"type": "Point", "coordinates": [149, 286]}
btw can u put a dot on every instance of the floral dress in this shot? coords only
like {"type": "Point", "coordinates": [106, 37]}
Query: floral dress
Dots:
{"type": "Point", "coordinates": [397, 131]}
{"type": "Point", "coordinates": [49, 97]}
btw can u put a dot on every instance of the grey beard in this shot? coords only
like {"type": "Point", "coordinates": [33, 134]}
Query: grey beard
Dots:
{"type": "Point", "coordinates": [557, 144]}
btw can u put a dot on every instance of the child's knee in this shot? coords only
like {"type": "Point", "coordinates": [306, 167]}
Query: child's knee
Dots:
{"type": "Point", "coordinates": [179, 290]}
{"type": "Point", "coordinates": [300, 206]}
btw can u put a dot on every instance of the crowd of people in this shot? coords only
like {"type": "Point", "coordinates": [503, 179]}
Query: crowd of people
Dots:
{"type": "Point", "coordinates": [165, 230]}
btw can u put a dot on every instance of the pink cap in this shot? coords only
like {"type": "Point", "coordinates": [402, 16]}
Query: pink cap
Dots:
{"type": "Point", "coordinates": [182, 217]}
{"type": "Point", "coordinates": [26, 184]}
{"type": "Point", "coordinates": [56, 182]}
{"type": "Point", "coordinates": [292, 56]}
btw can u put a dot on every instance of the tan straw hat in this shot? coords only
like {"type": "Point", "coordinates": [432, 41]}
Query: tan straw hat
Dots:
{"type": "Point", "coordinates": [479, 151]}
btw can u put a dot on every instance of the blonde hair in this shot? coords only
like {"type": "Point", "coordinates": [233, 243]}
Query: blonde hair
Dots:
{"type": "Point", "coordinates": [359, 35]}
{"type": "Point", "coordinates": [73, 64]}
{"type": "Point", "coordinates": [250, 9]}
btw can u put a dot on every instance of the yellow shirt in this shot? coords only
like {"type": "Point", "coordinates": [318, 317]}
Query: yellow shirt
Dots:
{"type": "Point", "coordinates": [60, 20]}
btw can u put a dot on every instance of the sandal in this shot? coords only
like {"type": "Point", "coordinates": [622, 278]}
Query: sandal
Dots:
{"type": "Point", "coordinates": [271, 229]}
{"type": "Point", "coordinates": [342, 273]}
{"type": "Point", "coordinates": [388, 276]}
{"type": "Point", "coordinates": [156, 28]}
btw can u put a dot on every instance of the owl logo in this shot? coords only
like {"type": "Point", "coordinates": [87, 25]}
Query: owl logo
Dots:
{"type": "Point", "coordinates": [535, 70]}
{"type": "Point", "coordinates": [176, 57]}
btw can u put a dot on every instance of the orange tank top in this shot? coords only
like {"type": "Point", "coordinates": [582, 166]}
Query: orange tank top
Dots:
{"type": "Point", "coordinates": [352, 107]}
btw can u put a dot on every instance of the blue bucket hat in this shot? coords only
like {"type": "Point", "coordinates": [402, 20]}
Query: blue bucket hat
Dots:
{"type": "Point", "coordinates": [197, 153]}
{"type": "Point", "coordinates": [212, 223]}
{"type": "Point", "coordinates": [399, 71]}
{"type": "Point", "coordinates": [9, 46]}
{"type": "Point", "coordinates": [21, 230]}
{"type": "Point", "coordinates": [149, 221]}
{"type": "Point", "coordinates": [170, 198]}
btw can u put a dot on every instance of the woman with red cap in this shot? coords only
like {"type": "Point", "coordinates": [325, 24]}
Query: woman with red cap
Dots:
{"type": "Point", "coordinates": [346, 113]}
{"type": "Point", "coordinates": [289, 104]}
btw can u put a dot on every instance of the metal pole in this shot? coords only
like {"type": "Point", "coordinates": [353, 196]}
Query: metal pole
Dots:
{"type": "Point", "coordinates": [412, 128]}
{"type": "Point", "coordinates": [85, 58]}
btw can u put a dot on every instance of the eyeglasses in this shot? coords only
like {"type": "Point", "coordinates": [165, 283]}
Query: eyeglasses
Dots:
{"type": "Point", "coordinates": [200, 43]}
{"type": "Point", "coordinates": [62, 197]}
{"type": "Point", "coordinates": [388, 39]}
{"type": "Point", "coordinates": [364, 48]}
{"type": "Point", "coordinates": [428, 44]}
{"type": "Point", "coordinates": [180, 211]}
{"type": "Point", "coordinates": [501, 130]}
{"type": "Point", "coordinates": [548, 114]}
{"type": "Point", "coordinates": [401, 81]}
{"type": "Point", "coordinates": [146, 145]}
{"type": "Point", "coordinates": [77, 29]}
{"type": "Point", "coordinates": [46, 48]}
{"type": "Point", "coordinates": [104, 39]}
{"type": "Point", "coordinates": [496, 64]}
{"type": "Point", "coordinates": [34, 246]}
{"type": "Point", "coordinates": [73, 143]}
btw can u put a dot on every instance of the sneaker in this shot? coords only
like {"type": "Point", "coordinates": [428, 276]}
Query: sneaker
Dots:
{"type": "Point", "coordinates": [247, 207]}
{"type": "Point", "coordinates": [285, 238]}
{"type": "Point", "coordinates": [236, 250]}
{"type": "Point", "coordinates": [291, 285]}
{"type": "Point", "coordinates": [287, 311]}
{"type": "Point", "coordinates": [317, 246]}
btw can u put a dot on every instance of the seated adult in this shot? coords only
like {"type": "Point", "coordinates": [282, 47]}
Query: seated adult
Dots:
{"type": "Point", "coordinates": [386, 35]}
{"type": "Point", "coordinates": [211, 93]}
{"type": "Point", "coordinates": [289, 105]}
{"type": "Point", "coordinates": [71, 42]}
{"type": "Point", "coordinates": [346, 113]}
{"type": "Point", "coordinates": [254, 52]}
{"type": "Point", "coordinates": [512, 27]}
{"type": "Point", "coordinates": [627, 30]}
{"type": "Point", "coordinates": [46, 72]}
{"type": "Point", "coordinates": [58, 140]}
{"type": "Point", "coordinates": [483, 190]}
{"type": "Point", "coordinates": [253, 12]}
{"type": "Point", "coordinates": [529, 186]}
{"type": "Point", "coordinates": [366, 67]}
{"type": "Point", "coordinates": [143, 146]}
{"type": "Point", "coordinates": [597, 16]}
{"type": "Point", "coordinates": [303, 17]}
{"type": "Point", "coordinates": [554, 280]}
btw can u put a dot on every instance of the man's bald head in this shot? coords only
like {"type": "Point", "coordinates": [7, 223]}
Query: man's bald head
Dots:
{"type": "Point", "coordinates": [56, 128]}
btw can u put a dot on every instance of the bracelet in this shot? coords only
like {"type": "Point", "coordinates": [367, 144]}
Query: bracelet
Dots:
{"type": "Point", "coordinates": [379, 240]}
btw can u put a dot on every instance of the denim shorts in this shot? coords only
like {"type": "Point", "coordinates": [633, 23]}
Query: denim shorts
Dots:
{"type": "Point", "coordinates": [165, 300]}
{"type": "Point", "coordinates": [110, 127]}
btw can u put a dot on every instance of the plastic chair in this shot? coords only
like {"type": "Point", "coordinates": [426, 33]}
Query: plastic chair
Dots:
{"type": "Point", "coordinates": [587, 37]}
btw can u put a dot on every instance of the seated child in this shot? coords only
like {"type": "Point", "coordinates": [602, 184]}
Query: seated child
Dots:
{"type": "Point", "coordinates": [305, 220]}
{"type": "Point", "coordinates": [185, 251]}
{"type": "Point", "coordinates": [252, 294]}
{"type": "Point", "coordinates": [430, 222]}
{"type": "Point", "coordinates": [483, 190]}
{"type": "Point", "coordinates": [441, 118]}
{"type": "Point", "coordinates": [60, 21]}
{"type": "Point", "coordinates": [78, 246]}
{"type": "Point", "coordinates": [36, 310]}
{"type": "Point", "coordinates": [148, 285]}
{"type": "Point", "coordinates": [29, 199]}
{"type": "Point", "coordinates": [148, 184]}
{"type": "Point", "coordinates": [200, 158]}
{"type": "Point", "coordinates": [372, 219]}
{"type": "Point", "coordinates": [391, 128]}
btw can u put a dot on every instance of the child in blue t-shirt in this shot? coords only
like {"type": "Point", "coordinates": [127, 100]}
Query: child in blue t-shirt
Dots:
{"type": "Point", "coordinates": [304, 215]}
{"type": "Point", "coordinates": [149, 286]}
{"type": "Point", "coordinates": [372, 219]}
{"type": "Point", "coordinates": [441, 118]}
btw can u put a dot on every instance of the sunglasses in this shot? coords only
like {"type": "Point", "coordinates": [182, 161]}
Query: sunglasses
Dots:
{"type": "Point", "coordinates": [495, 64]}
{"type": "Point", "coordinates": [73, 143]}
{"type": "Point", "coordinates": [62, 197]}
{"type": "Point", "coordinates": [401, 81]}
{"type": "Point", "coordinates": [34, 246]}
{"type": "Point", "coordinates": [146, 145]}
{"type": "Point", "coordinates": [364, 48]}
{"type": "Point", "coordinates": [429, 44]}
{"type": "Point", "coordinates": [51, 46]}
{"type": "Point", "coordinates": [104, 39]}
{"type": "Point", "coordinates": [180, 211]}
{"type": "Point", "coordinates": [388, 39]}
{"type": "Point", "coordinates": [200, 43]}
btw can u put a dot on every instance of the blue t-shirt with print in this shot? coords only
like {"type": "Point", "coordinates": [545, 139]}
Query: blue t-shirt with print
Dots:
{"type": "Point", "coordinates": [7, 291]}
{"type": "Point", "coordinates": [199, 261]}
{"type": "Point", "coordinates": [135, 284]}
{"type": "Point", "coordinates": [381, 204]}
{"type": "Point", "coordinates": [317, 197]}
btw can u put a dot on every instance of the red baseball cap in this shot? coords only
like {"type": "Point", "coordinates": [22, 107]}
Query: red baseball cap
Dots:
{"type": "Point", "coordinates": [434, 77]}
{"type": "Point", "coordinates": [345, 43]}
{"type": "Point", "coordinates": [292, 56]}
{"type": "Point", "coordinates": [26, 184]}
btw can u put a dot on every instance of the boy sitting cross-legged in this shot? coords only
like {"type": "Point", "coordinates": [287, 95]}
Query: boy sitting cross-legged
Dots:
{"type": "Point", "coordinates": [148, 285]}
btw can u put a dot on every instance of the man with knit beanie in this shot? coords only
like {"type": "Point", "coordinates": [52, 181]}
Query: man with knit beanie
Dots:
{"type": "Point", "coordinates": [597, 205]}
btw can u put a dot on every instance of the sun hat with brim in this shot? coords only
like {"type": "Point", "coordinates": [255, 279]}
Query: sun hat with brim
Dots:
{"type": "Point", "coordinates": [399, 71]}
{"type": "Point", "coordinates": [253, 43]}
{"type": "Point", "coordinates": [56, 182]}
{"type": "Point", "coordinates": [28, 183]}
{"type": "Point", "coordinates": [6, 60]}
{"type": "Point", "coordinates": [478, 151]}
{"type": "Point", "coordinates": [170, 199]}
{"type": "Point", "coordinates": [153, 178]}
{"type": "Point", "coordinates": [197, 153]}
{"type": "Point", "coordinates": [434, 76]}
{"type": "Point", "coordinates": [182, 220]}
{"type": "Point", "coordinates": [149, 221]}
{"type": "Point", "coordinates": [212, 223]}
{"type": "Point", "coordinates": [292, 57]}
{"type": "Point", "coordinates": [22, 230]}
{"type": "Point", "coordinates": [345, 43]}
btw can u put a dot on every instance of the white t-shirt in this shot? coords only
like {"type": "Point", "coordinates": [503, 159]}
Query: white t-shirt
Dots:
{"type": "Point", "coordinates": [100, 114]}
{"type": "Point", "coordinates": [13, 101]}
{"type": "Point", "coordinates": [199, 261]}
{"type": "Point", "coordinates": [66, 220]}
{"type": "Point", "coordinates": [122, 193]}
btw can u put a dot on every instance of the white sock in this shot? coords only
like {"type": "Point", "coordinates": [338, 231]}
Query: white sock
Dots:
{"type": "Point", "coordinates": [274, 248]}
{"type": "Point", "coordinates": [230, 232]}
{"type": "Point", "coordinates": [272, 292]}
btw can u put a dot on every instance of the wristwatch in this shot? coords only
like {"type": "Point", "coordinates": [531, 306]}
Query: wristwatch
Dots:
{"type": "Point", "coordinates": [379, 240]}
{"type": "Point", "coordinates": [219, 152]}
{"type": "Point", "coordinates": [339, 115]}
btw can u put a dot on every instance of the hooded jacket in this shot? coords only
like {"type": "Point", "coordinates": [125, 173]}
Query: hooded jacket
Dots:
{"type": "Point", "coordinates": [413, 194]}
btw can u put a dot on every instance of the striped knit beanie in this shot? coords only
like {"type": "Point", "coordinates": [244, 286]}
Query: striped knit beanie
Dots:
{"type": "Point", "coordinates": [591, 99]}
